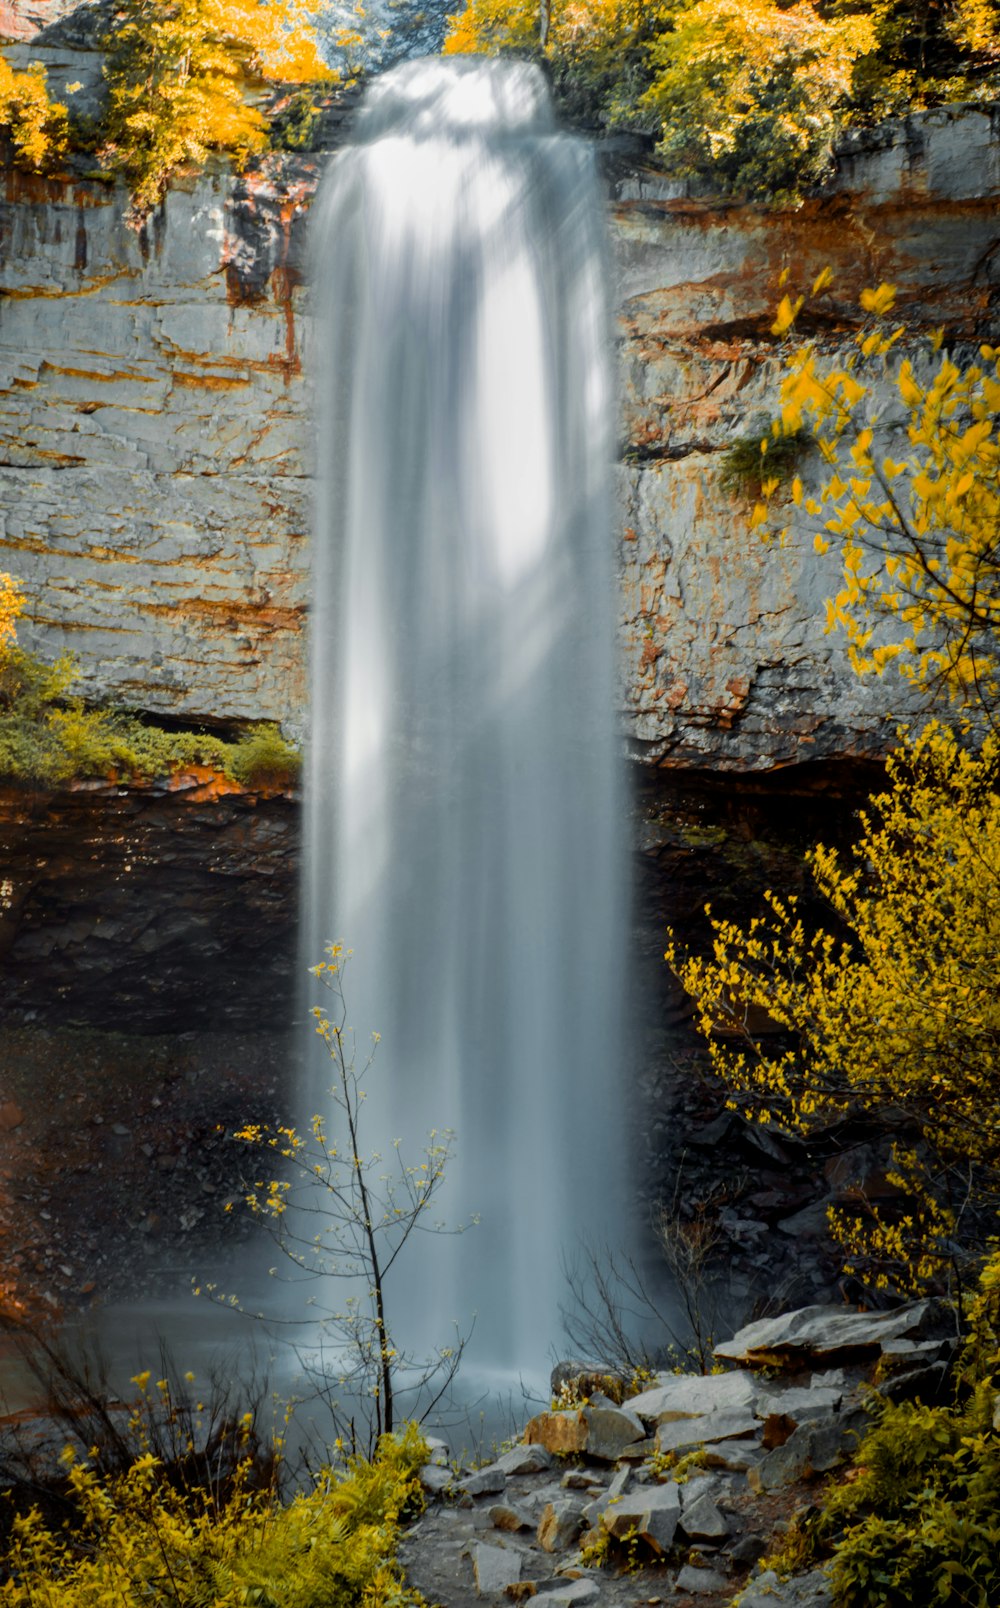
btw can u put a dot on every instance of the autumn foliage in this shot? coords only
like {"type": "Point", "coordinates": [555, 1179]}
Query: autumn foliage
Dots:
{"type": "Point", "coordinates": [36, 126]}
{"type": "Point", "coordinates": [179, 76]}
{"type": "Point", "coordinates": [746, 95]}
{"type": "Point", "coordinates": [889, 1008]}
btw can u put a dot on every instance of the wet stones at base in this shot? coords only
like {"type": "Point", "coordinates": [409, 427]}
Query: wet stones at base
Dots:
{"type": "Point", "coordinates": [709, 1470]}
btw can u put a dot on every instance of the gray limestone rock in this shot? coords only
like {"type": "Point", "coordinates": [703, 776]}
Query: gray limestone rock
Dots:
{"type": "Point", "coordinates": [825, 1332]}
{"type": "Point", "coordinates": [651, 1512]}
{"type": "Point", "coordinates": [572, 1595]}
{"type": "Point", "coordinates": [700, 1582]}
{"type": "Point", "coordinates": [524, 1460]}
{"type": "Point", "coordinates": [593, 1512]}
{"type": "Point", "coordinates": [611, 1430]}
{"type": "Point", "coordinates": [796, 1403]}
{"type": "Point", "coordinates": [495, 1568]}
{"type": "Point", "coordinates": [803, 1591]}
{"type": "Point", "coordinates": [508, 1516]}
{"type": "Point", "coordinates": [812, 1449]}
{"type": "Point", "coordinates": [703, 1521]}
{"type": "Point", "coordinates": [692, 1395]}
{"type": "Point", "coordinates": [737, 1456]}
{"type": "Point", "coordinates": [156, 440]}
{"type": "Point", "coordinates": [675, 1435]}
{"type": "Point", "coordinates": [560, 1524]}
{"type": "Point", "coordinates": [483, 1482]}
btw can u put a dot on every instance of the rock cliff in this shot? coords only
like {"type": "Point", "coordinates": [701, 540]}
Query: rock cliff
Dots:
{"type": "Point", "coordinates": [155, 447]}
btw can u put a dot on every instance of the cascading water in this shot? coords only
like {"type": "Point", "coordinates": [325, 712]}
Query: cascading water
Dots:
{"type": "Point", "coordinates": [465, 808]}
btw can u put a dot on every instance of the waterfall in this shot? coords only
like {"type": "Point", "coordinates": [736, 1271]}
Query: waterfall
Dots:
{"type": "Point", "coordinates": [465, 808]}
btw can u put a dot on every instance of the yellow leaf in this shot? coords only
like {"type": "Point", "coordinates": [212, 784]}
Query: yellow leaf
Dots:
{"type": "Point", "coordinates": [786, 314]}
{"type": "Point", "coordinates": [878, 301]}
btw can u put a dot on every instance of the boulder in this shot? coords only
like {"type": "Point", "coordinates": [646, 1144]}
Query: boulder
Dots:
{"type": "Point", "coordinates": [483, 1481]}
{"type": "Point", "coordinates": [796, 1403]}
{"type": "Point", "coordinates": [508, 1516]}
{"type": "Point", "coordinates": [736, 1456]}
{"type": "Point", "coordinates": [678, 1434]}
{"type": "Point", "coordinates": [702, 1520]}
{"type": "Point", "coordinates": [692, 1395]}
{"type": "Point", "coordinates": [804, 1591]}
{"type": "Point", "coordinates": [557, 1431]}
{"type": "Point", "coordinates": [495, 1568]}
{"type": "Point", "coordinates": [560, 1524]}
{"type": "Point", "coordinates": [821, 1333]}
{"type": "Point", "coordinates": [650, 1512]}
{"type": "Point", "coordinates": [572, 1595]}
{"type": "Point", "coordinates": [594, 1511]}
{"type": "Point", "coordinates": [610, 1430]}
{"type": "Point", "coordinates": [524, 1460]}
{"type": "Point", "coordinates": [587, 1379]}
{"type": "Point", "coordinates": [812, 1449]}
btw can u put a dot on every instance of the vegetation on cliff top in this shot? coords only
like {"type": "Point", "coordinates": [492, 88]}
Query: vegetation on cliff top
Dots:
{"type": "Point", "coordinates": [37, 127]}
{"type": "Point", "coordinates": [182, 77]}
{"type": "Point", "coordinates": [179, 76]}
{"type": "Point", "coordinates": [746, 96]}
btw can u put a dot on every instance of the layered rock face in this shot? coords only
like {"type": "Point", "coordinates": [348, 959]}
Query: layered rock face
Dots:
{"type": "Point", "coordinates": [726, 659]}
{"type": "Point", "coordinates": [155, 435]}
{"type": "Point", "coordinates": [154, 438]}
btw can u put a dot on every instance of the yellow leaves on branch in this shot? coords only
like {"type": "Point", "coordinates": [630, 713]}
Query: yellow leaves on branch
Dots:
{"type": "Point", "coordinates": [900, 1014]}
{"type": "Point", "coordinates": [917, 525]}
{"type": "Point", "coordinates": [146, 1537]}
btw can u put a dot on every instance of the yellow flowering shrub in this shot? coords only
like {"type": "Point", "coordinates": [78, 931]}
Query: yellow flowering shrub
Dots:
{"type": "Point", "coordinates": [911, 500]}
{"type": "Point", "coordinates": [36, 126]}
{"type": "Point", "coordinates": [49, 737]}
{"type": "Point", "coordinates": [137, 1538]}
{"type": "Point", "coordinates": [893, 1010]}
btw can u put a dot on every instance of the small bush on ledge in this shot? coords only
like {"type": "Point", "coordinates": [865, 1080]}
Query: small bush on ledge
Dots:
{"type": "Point", "coordinates": [761, 456]}
{"type": "Point", "coordinates": [48, 738]}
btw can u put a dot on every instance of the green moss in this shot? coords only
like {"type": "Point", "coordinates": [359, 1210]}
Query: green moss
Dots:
{"type": "Point", "coordinates": [49, 738]}
{"type": "Point", "coordinates": [762, 455]}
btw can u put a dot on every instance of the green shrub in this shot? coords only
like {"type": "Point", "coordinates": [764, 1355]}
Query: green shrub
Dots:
{"type": "Point", "coordinates": [49, 738]}
{"type": "Point", "coordinates": [263, 758]}
{"type": "Point", "coordinates": [762, 455]}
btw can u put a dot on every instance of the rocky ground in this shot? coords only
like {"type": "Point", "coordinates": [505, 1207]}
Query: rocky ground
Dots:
{"type": "Point", "coordinates": [676, 1494]}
